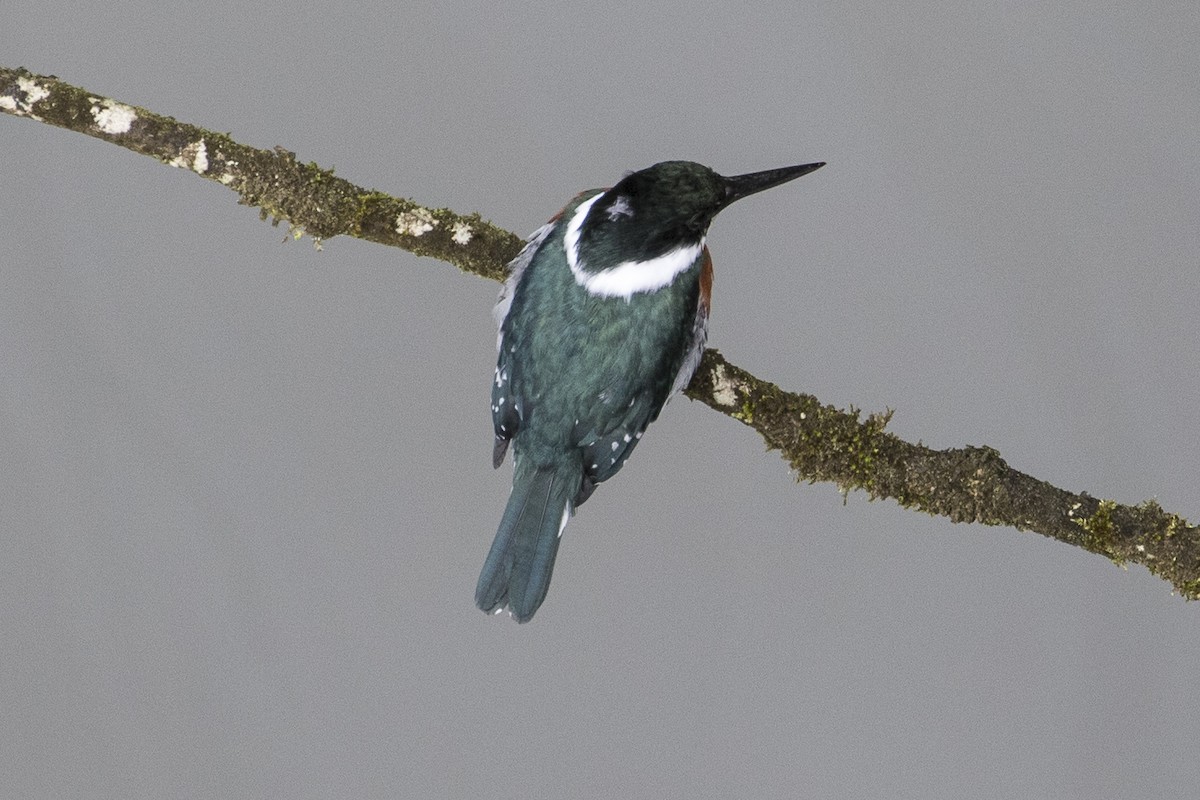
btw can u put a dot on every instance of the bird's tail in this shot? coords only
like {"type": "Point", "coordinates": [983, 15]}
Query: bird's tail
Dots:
{"type": "Point", "coordinates": [518, 567]}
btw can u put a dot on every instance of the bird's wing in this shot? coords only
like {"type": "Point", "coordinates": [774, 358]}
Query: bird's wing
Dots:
{"type": "Point", "coordinates": [506, 408]}
{"type": "Point", "coordinates": [695, 347]}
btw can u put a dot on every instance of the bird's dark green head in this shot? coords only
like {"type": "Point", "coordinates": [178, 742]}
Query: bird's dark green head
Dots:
{"type": "Point", "coordinates": [664, 207]}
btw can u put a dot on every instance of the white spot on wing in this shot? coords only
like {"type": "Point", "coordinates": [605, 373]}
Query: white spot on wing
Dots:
{"type": "Point", "coordinates": [562, 524]}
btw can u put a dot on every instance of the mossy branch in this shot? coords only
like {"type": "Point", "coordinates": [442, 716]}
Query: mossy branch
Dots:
{"type": "Point", "coordinates": [821, 443]}
{"type": "Point", "coordinates": [312, 200]}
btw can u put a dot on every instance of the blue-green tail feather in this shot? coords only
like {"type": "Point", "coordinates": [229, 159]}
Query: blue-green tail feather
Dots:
{"type": "Point", "coordinates": [518, 568]}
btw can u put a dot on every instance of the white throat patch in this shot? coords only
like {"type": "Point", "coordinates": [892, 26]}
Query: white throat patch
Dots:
{"type": "Point", "coordinates": [629, 277]}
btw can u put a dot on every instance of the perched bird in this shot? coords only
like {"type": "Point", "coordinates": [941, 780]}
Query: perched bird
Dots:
{"type": "Point", "coordinates": [603, 317]}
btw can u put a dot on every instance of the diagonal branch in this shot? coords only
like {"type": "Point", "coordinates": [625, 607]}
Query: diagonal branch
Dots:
{"type": "Point", "coordinates": [821, 443]}
{"type": "Point", "coordinates": [312, 200]}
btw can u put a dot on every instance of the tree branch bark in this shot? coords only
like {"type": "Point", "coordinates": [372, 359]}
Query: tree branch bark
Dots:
{"type": "Point", "coordinates": [821, 443]}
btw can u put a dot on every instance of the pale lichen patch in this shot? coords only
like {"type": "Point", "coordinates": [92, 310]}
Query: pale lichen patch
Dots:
{"type": "Point", "coordinates": [112, 117]}
{"type": "Point", "coordinates": [32, 93]}
{"type": "Point", "coordinates": [193, 157]}
{"type": "Point", "coordinates": [417, 222]}
{"type": "Point", "coordinates": [724, 392]}
{"type": "Point", "coordinates": [461, 233]}
{"type": "Point", "coordinates": [228, 178]}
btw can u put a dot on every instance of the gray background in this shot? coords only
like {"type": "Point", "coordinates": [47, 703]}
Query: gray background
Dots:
{"type": "Point", "coordinates": [246, 487]}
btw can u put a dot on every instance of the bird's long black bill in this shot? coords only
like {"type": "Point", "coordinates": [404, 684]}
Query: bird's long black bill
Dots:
{"type": "Point", "coordinates": [739, 186]}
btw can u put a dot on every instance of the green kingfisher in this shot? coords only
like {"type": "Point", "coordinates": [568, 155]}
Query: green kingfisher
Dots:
{"type": "Point", "coordinates": [603, 318]}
